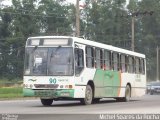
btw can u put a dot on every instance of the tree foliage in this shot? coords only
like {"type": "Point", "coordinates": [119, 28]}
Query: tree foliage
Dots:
{"type": "Point", "coordinates": [106, 21]}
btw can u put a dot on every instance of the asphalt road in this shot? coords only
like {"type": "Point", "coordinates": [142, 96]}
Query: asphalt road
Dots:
{"type": "Point", "coordinates": [64, 110]}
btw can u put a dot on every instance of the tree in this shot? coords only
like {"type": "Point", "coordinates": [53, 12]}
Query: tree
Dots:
{"type": "Point", "coordinates": [5, 32]}
{"type": "Point", "coordinates": [27, 18]}
{"type": "Point", "coordinates": [150, 33]}
{"type": "Point", "coordinates": [56, 20]}
{"type": "Point", "coordinates": [106, 22]}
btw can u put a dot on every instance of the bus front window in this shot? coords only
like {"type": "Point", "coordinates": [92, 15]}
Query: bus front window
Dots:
{"type": "Point", "coordinates": [36, 61]}
{"type": "Point", "coordinates": [60, 61]}
{"type": "Point", "coordinates": [49, 61]}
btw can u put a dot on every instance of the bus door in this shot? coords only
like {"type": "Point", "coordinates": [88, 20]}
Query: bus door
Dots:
{"type": "Point", "coordinates": [79, 64]}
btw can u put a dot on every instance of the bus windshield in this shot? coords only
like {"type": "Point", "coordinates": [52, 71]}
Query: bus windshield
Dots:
{"type": "Point", "coordinates": [43, 61]}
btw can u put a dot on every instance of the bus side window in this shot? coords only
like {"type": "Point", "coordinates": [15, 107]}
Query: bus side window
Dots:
{"type": "Point", "coordinates": [107, 60]}
{"type": "Point", "coordinates": [131, 64]}
{"type": "Point", "coordinates": [123, 63]}
{"type": "Point", "coordinates": [115, 61]}
{"type": "Point", "coordinates": [99, 58]}
{"type": "Point", "coordinates": [126, 63]}
{"type": "Point", "coordinates": [119, 62]}
{"type": "Point", "coordinates": [143, 66]}
{"type": "Point", "coordinates": [140, 67]}
{"type": "Point", "coordinates": [79, 61]}
{"type": "Point", "coordinates": [102, 59]}
{"type": "Point", "coordinates": [137, 65]}
{"type": "Point", "coordinates": [89, 57]}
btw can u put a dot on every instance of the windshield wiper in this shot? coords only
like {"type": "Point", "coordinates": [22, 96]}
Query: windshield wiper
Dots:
{"type": "Point", "coordinates": [54, 52]}
{"type": "Point", "coordinates": [34, 49]}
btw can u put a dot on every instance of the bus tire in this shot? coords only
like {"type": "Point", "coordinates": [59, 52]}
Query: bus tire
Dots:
{"type": "Point", "coordinates": [46, 102]}
{"type": "Point", "coordinates": [151, 93]}
{"type": "Point", "coordinates": [127, 95]}
{"type": "Point", "coordinates": [88, 96]}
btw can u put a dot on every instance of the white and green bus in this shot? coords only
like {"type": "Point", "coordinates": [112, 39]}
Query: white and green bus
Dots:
{"type": "Point", "coordinates": [71, 68]}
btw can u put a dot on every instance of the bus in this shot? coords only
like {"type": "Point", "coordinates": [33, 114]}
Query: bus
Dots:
{"type": "Point", "coordinates": [72, 68]}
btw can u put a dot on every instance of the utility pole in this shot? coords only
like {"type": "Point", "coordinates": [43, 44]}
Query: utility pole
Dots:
{"type": "Point", "coordinates": [132, 27]}
{"type": "Point", "coordinates": [157, 63]}
{"type": "Point", "coordinates": [77, 19]}
{"type": "Point", "coordinates": [133, 15]}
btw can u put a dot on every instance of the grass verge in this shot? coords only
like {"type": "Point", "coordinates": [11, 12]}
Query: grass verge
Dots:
{"type": "Point", "coordinates": [11, 92]}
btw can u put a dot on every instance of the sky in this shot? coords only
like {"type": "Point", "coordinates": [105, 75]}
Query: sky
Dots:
{"type": "Point", "coordinates": [6, 2]}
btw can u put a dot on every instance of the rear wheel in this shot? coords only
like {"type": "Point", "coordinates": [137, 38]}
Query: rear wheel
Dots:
{"type": "Point", "coordinates": [151, 93]}
{"type": "Point", "coordinates": [46, 102]}
{"type": "Point", "coordinates": [88, 96]}
{"type": "Point", "coordinates": [127, 95]}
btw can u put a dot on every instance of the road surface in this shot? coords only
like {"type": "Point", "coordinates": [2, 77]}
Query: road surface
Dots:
{"type": "Point", "coordinates": [64, 110]}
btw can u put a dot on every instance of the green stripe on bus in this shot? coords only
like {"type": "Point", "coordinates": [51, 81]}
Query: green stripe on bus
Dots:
{"type": "Point", "coordinates": [107, 83]}
{"type": "Point", "coordinates": [28, 92]}
{"type": "Point", "coordinates": [48, 93]}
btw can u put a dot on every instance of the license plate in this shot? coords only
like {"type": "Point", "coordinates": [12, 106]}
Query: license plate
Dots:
{"type": "Point", "coordinates": [45, 93]}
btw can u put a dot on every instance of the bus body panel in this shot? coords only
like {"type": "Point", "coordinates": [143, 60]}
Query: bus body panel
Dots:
{"type": "Point", "coordinates": [137, 82]}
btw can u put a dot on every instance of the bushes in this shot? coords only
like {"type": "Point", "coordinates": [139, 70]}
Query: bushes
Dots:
{"type": "Point", "coordinates": [10, 88]}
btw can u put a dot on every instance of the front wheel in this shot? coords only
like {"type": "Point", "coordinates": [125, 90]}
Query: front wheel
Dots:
{"type": "Point", "coordinates": [88, 96]}
{"type": "Point", "coordinates": [46, 102]}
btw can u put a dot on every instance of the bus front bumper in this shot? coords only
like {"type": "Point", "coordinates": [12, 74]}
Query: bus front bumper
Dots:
{"type": "Point", "coordinates": [52, 93]}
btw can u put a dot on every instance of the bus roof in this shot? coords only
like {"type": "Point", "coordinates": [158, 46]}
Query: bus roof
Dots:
{"type": "Point", "coordinates": [96, 44]}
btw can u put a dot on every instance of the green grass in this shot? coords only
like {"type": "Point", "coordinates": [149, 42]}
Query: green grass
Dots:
{"type": "Point", "coordinates": [11, 92]}
{"type": "Point", "coordinates": [11, 89]}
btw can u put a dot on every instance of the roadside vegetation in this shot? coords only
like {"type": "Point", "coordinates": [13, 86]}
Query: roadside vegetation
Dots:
{"type": "Point", "coordinates": [106, 21]}
{"type": "Point", "coordinates": [10, 93]}
{"type": "Point", "coordinates": [10, 89]}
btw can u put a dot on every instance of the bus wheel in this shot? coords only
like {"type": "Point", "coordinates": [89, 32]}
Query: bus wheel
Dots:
{"type": "Point", "coordinates": [127, 95]}
{"type": "Point", "coordinates": [47, 102]}
{"type": "Point", "coordinates": [88, 96]}
{"type": "Point", "coordinates": [151, 93]}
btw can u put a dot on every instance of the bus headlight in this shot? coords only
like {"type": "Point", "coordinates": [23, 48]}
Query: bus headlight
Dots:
{"type": "Point", "coordinates": [31, 86]}
{"type": "Point", "coordinates": [68, 86]}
